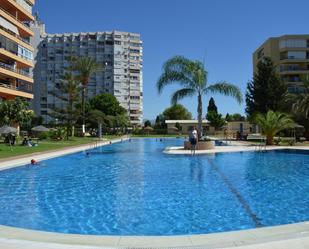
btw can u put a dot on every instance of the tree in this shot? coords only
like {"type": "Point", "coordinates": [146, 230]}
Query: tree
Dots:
{"type": "Point", "coordinates": [85, 66]}
{"type": "Point", "coordinates": [115, 116]}
{"type": "Point", "coordinates": [192, 76]}
{"type": "Point", "coordinates": [108, 104]}
{"type": "Point", "coordinates": [67, 91]}
{"type": "Point", "coordinates": [215, 119]}
{"type": "Point", "coordinates": [234, 117]}
{"type": "Point", "coordinates": [266, 91]}
{"type": "Point", "coordinates": [160, 122]}
{"type": "Point", "coordinates": [272, 123]}
{"type": "Point", "coordinates": [147, 123]}
{"type": "Point", "coordinates": [300, 101]}
{"type": "Point", "coordinates": [15, 112]}
{"type": "Point", "coordinates": [212, 106]}
{"type": "Point", "coordinates": [177, 112]}
{"type": "Point", "coordinates": [299, 104]}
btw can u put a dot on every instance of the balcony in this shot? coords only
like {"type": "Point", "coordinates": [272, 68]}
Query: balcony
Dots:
{"type": "Point", "coordinates": [21, 60]}
{"type": "Point", "coordinates": [9, 70]}
{"type": "Point", "coordinates": [22, 10]}
{"type": "Point", "coordinates": [291, 59]}
{"type": "Point", "coordinates": [24, 30]}
{"type": "Point", "coordinates": [9, 91]}
{"type": "Point", "coordinates": [15, 38]}
{"type": "Point", "coordinates": [294, 70]}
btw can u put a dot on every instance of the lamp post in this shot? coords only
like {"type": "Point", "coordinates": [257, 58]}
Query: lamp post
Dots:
{"type": "Point", "coordinates": [100, 124]}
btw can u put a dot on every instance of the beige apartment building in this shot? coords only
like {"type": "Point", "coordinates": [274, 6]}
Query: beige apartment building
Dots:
{"type": "Point", "coordinates": [16, 53]}
{"type": "Point", "coordinates": [290, 53]}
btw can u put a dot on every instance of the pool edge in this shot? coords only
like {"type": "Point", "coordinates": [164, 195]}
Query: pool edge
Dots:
{"type": "Point", "coordinates": [17, 162]}
{"type": "Point", "coordinates": [266, 235]}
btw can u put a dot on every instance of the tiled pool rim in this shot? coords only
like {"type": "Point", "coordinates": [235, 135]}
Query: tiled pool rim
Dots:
{"type": "Point", "coordinates": [25, 238]}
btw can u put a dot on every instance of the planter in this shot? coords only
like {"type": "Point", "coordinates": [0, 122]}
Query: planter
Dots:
{"type": "Point", "coordinates": [201, 145]}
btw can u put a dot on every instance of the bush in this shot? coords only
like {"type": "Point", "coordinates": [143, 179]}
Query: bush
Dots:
{"type": "Point", "coordinates": [137, 131]}
{"type": "Point", "coordinates": [160, 131]}
{"type": "Point", "coordinates": [58, 134]}
{"type": "Point", "coordinates": [44, 135]}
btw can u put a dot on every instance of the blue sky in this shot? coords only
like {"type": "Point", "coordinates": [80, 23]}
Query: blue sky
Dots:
{"type": "Point", "coordinates": [225, 31]}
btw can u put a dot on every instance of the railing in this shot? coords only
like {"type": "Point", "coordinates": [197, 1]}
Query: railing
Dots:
{"type": "Point", "coordinates": [15, 35]}
{"type": "Point", "coordinates": [24, 5]}
{"type": "Point", "coordinates": [293, 58]}
{"type": "Point", "coordinates": [4, 10]}
{"type": "Point", "coordinates": [11, 68]}
{"type": "Point", "coordinates": [293, 69]}
{"type": "Point", "coordinates": [21, 88]}
{"type": "Point", "coordinates": [15, 53]}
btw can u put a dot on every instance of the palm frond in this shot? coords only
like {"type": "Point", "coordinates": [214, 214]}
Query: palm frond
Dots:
{"type": "Point", "coordinates": [225, 89]}
{"type": "Point", "coordinates": [274, 122]}
{"type": "Point", "coordinates": [170, 77]}
{"type": "Point", "coordinates": [181, 70]}
{"type": "Point", "coordinates": [86, 66]}
{"type": "Point", "coordinates": [182, 93]}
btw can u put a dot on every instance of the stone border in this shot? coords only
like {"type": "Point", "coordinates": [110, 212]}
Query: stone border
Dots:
{"type": "Point", "coordinates": [297, 234]}
{"type": "Point", "coordinates": [284, 236]}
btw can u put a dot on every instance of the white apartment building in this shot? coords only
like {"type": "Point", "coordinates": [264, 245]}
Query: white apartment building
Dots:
{"type": "Point", "coordinates": [119, 52]}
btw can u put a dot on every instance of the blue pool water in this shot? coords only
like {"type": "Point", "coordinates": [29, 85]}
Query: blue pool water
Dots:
{"type": "Point", "coordinates": [132, 188]}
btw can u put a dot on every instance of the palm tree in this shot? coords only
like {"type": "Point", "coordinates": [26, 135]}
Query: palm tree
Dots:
{"type": "Point", "coordinates": [273, 122]}
{"type": "Point", "coordinates": [67, 91]}
{"type": "Point", "coordinates": [192, 76]}
{"type": "Point", "coordinates": [300, 101]}
{"type": "Point", "coordinates": [85, 66]}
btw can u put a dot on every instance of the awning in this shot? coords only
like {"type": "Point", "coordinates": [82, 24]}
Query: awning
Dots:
{"type": "Point", "coordinates": [6, 24]}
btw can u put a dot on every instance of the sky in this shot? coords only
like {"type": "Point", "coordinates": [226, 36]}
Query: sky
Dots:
{"type": "Point", "coordinates": [224, 32]}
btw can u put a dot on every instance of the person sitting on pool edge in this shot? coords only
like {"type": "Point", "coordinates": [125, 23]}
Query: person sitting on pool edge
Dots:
{"type": "Point", "coordinates": [193, 140]}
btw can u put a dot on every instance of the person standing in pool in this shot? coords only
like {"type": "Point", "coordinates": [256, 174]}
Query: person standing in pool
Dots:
{"type": "Point", "coordinates": [193, 140]}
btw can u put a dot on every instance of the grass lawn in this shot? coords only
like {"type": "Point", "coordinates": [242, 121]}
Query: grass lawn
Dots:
{"type": "Point", "coordinates": [44, 145]}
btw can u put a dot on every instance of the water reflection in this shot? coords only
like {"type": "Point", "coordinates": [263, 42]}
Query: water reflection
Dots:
{"type": "Point", "coordinates": [196, 169]}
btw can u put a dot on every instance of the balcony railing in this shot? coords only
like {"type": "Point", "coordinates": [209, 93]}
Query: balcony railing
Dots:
{"type": "Point", "coordinates": [24, 87]}
{"type": "Point", "coordinates": [294, 58]}
{"type": "Point", "coordinates": [17, 54]}
{"type": "Point", "coordinates": [4, 10]}
{"type": "Point", "coordinates": [15, 35]}
{"type": "Point", "coordinates": [293, 69]}
{"type": "Point", "coordinates": [11, 68]}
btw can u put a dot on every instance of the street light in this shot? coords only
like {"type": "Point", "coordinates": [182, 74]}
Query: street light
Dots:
{"type": "Point", "coordinates": [100, 124]}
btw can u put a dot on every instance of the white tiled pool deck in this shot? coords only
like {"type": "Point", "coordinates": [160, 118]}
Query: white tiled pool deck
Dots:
{"type": "Point", "coordinates": [292, 236]}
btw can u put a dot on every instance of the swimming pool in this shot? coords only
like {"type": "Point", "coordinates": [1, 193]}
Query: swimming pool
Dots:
{"type": "Point", "coordinates": [132, 188]}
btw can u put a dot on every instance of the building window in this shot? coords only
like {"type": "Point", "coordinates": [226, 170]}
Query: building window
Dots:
{"type": "Point", "coordinates": [293, 43]}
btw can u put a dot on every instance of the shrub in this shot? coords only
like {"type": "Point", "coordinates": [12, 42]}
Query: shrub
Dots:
{"type": "Point", "coordinates": [44, 135]}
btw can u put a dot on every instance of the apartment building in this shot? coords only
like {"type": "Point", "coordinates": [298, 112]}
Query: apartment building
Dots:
{"type": "Point", "coordinates": [120, 54]}
{"type": "Point", "coordinates": [38, 29]}
{"type": "Point", "coordinates": [290, 53]}
{"type": "Point", "coordinates": [16, 52]}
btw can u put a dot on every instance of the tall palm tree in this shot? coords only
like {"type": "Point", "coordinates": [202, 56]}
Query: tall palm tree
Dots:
{"type": "Point", "coordinates": [85, 66]}
{"type": "Point", "coordinates": [192, 76]}
{"type": "Point", "coordinates": [272, 123]}
{"type": "Point", "coordinates": [68, 91]}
